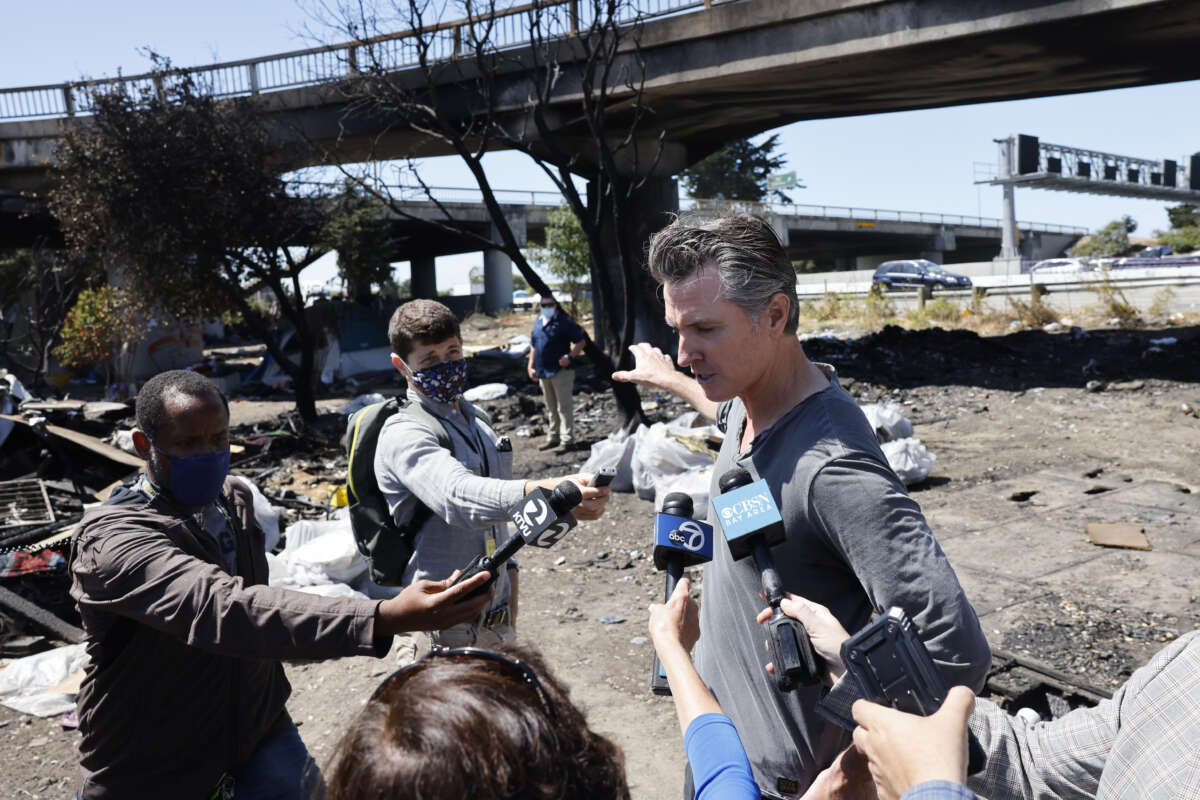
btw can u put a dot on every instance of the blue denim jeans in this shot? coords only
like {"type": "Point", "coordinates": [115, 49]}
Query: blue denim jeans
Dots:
{"type": "Point", "coordinates": [280, 769]}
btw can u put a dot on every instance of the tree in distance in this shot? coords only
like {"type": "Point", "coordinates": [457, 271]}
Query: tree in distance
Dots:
{"type": "Point", "coordinates": [1184, 235]}
{"type": "Point", "coordinates": [738, 171]}
{"type": "Point", "coordinates": [1111, 240]}
{"type": "Point", "coordinates": [41, 283]}
{"type": "Point", "coordinates": [185, 193]}
{"type": "Point", "coordinates": [566, 253]}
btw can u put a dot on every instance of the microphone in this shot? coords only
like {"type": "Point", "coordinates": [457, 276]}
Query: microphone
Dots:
{"type": "Point", "coordinates": [679, 542]}
{"type": "Point", "coordinates": [752, 524]}
{"type": "Point", "coordinates": [541, 519]}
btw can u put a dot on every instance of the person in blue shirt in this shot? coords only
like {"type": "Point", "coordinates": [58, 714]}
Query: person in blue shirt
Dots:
{"type": "Point", "coordinates": [720, 768]}
{"type": "Point", "coordinates": [556, 339]}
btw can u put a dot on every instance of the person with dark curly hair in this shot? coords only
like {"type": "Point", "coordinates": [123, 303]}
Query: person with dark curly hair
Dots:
{"type": "Point", "coordinates": [469, 722]}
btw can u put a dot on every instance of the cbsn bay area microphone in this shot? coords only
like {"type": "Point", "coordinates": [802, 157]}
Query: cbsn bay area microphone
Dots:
{"type": "Point", "coordinates": [752, 525]}
{"type": "Point", "coordinates": [541, 519]}
{"type": "Point", "coordinates": [679, 542]}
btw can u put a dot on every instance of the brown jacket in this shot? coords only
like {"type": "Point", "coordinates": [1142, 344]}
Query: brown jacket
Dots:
{"type": "Point", "coordinates": [185, 678]}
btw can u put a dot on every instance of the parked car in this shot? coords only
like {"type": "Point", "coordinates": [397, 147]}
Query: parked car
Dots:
{"type": "Point", "coordinates": [523, 299]}
{"type": "Point", "coordinates": [1060, 265]}
{"type": "Point", "coordinates": [915, 273]}
{"type": "Point", "coordinates": [1156, 251]}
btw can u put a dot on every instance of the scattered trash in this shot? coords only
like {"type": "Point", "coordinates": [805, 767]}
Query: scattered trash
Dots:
{"type": "Point", "coordinates": [1166, 341]}
{"type": "Point", "coordinates": [1095, 386]}
{"type": "Point", "coordinates": [319, 553]}
{"type": "Point", "coordinates": [266, 514]}
{"type": "Point", "coordinates": [558, 562]}
{"type": "Point", "coordinates": [486, 391]}
{"type": "Point", "coordinates": [31, 685]}
{"type": "Point", "coordinates": [611, 619]}
{"type": "Point", "coordinates": [657, 454]}
{"type": "Point", "coordinates": [617, 448]}
{"type": "Point", "coordinates": [639, 640]}
{"type": "Point", "coordinates": [888, 421]}
{"type": "Point", "coordinates": [910, 459]}
{"type": "Point", "coordinates": [1118, 534]}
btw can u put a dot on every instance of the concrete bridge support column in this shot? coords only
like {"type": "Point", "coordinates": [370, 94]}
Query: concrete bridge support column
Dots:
{"type": "Point", "coordinates": [497, 270]}
{"type": "Point", "coordinates": [423, 277]}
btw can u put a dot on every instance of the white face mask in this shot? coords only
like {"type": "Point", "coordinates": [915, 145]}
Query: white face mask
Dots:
{"type": "Point", "coordinates": [548, 312]}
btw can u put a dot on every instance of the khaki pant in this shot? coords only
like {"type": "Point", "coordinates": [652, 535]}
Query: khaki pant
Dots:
{"type": "Point", "coordinates": [410, 647]}
{"type": "Point", "coordinates": [560, 405]}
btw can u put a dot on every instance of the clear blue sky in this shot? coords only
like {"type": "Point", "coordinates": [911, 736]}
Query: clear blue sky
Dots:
{"type": "Point", "coordinates": [919, 160]}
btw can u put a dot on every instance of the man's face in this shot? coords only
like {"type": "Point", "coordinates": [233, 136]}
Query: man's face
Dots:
{"type": "Point", "coordinates": [426, 354]}
{"type": "Point", "coordinates": [548, 305]}
{"type": "Point", "coordinates": [194, 426]}
{"type": "Point", "coordinates": [716, 338]}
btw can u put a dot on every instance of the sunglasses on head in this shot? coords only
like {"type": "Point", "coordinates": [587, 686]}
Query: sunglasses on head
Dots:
{"type": "Point", "coordinates": [510, 667]}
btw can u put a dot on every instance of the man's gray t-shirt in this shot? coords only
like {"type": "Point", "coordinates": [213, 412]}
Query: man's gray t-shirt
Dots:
{"type": "Point", "coordinates": [857, 543]}
{"type": "Point", "coordinates": [468, 489]}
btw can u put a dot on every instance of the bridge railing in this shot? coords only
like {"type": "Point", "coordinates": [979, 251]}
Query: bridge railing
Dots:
{"type": "Point", "coordinates": [506, 28]}
{"type": "Point", "coordinates": [872, 215]}
{"type": "Point", "coordinates": [456, 194]}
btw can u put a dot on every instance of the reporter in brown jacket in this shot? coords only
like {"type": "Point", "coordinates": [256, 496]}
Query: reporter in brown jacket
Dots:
{"type": "Point", "coordinates": [185, 693]}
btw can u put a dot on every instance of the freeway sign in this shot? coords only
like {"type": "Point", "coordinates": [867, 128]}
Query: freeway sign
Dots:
{"type": "Point", "coordinates": [782, 180]}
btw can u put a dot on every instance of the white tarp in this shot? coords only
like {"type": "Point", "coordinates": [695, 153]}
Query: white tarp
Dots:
{"type": "Point", "coordinates": [25, 684]}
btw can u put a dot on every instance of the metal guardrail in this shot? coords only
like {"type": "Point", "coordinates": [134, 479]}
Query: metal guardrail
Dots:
{"type": "Point", "coordinates": [448, 40]}
{"type": "Point", "coordinates": [456, 194]}
{"type": "Point", "coordinates": [884, 215]}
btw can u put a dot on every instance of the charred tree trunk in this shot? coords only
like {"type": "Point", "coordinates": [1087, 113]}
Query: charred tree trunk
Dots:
{"type": "Point", "coordinates": [627, 302]}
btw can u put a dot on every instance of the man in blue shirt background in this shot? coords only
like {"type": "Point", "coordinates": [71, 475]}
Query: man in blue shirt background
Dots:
{"type": "Point", "coordinates": [556, 339]}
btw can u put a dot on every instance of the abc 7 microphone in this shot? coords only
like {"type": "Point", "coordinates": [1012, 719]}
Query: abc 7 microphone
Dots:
{"type": "Point", "coordinates": [679, 542]}
{"type": "Point", "coordinates": [541, 519]}
{"type": "Point", "coordinates": [752, 524]}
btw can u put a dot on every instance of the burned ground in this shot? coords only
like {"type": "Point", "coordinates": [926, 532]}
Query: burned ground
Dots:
{"type": "Point", "coordinates": [1027, 455]}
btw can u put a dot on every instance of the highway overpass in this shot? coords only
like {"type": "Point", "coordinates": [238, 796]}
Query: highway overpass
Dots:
{"type": "Point", "coordinates": [716, 71]}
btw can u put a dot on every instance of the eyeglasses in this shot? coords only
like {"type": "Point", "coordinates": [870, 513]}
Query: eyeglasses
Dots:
{"type": "Point", "coordinates": [511, 667]}
{"type": "Point", "coordinates": [551, 304]}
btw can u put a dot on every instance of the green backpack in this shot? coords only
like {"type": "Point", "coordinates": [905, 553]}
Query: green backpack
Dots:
{"type": "Point", "coordinates": [387, 547]}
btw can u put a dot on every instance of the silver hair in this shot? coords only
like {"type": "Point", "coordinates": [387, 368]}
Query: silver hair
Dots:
{"type": "Point", "coordinates": [752, 265]}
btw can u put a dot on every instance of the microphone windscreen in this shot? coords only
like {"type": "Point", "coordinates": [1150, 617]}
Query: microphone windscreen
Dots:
{"type": "Point", "coordinates": [565, 497]}
{"type": "Point", "coordinates": [678, 504]}
{"type": "Point", "coordinates": [733, 479]}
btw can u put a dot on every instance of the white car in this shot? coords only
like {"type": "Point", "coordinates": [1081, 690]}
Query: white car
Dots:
{"type": "Point", "coordinates": [1058, 265]}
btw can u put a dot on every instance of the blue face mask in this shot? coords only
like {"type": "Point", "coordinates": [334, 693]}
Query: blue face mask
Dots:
{"type": "Point", "coordinates": [197, 480]}
{"type": "Point", "coordinates": [548, 312]}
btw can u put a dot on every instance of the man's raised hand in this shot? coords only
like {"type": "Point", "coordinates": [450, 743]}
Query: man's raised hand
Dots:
{"type": "Point", "coordinates": [652, 367]}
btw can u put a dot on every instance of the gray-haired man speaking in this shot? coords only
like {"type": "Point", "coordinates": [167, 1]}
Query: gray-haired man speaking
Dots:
{"type": "Point", "coordinates": [856, 542]}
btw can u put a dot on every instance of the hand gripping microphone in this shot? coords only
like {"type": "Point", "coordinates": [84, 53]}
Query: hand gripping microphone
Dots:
{"type": "Point", "coordinates": [679, 542]}
{"type": "Point", "coordinates": [752, 524]}
{"type": "Point", "coordinates": [541, 519]}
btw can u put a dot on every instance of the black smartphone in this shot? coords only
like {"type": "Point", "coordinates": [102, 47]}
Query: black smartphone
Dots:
{"type": "Point", "coordinates": [603, 477]}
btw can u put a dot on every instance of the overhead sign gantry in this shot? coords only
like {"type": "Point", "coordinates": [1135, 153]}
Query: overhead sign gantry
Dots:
{"type": "Point", "coordinates": [1026, 161]}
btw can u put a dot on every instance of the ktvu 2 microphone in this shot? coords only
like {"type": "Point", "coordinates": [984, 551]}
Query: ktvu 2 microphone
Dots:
{"type": "Point", "coordinates": [541, 519]}
{"type": "Point", "coordinates": [752, 524]}
{"type": "Point", "coordinates": [679, 542]}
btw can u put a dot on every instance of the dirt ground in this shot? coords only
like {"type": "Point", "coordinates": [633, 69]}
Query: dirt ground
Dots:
{"type": "Point", "coordinates": [1027, 455]}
